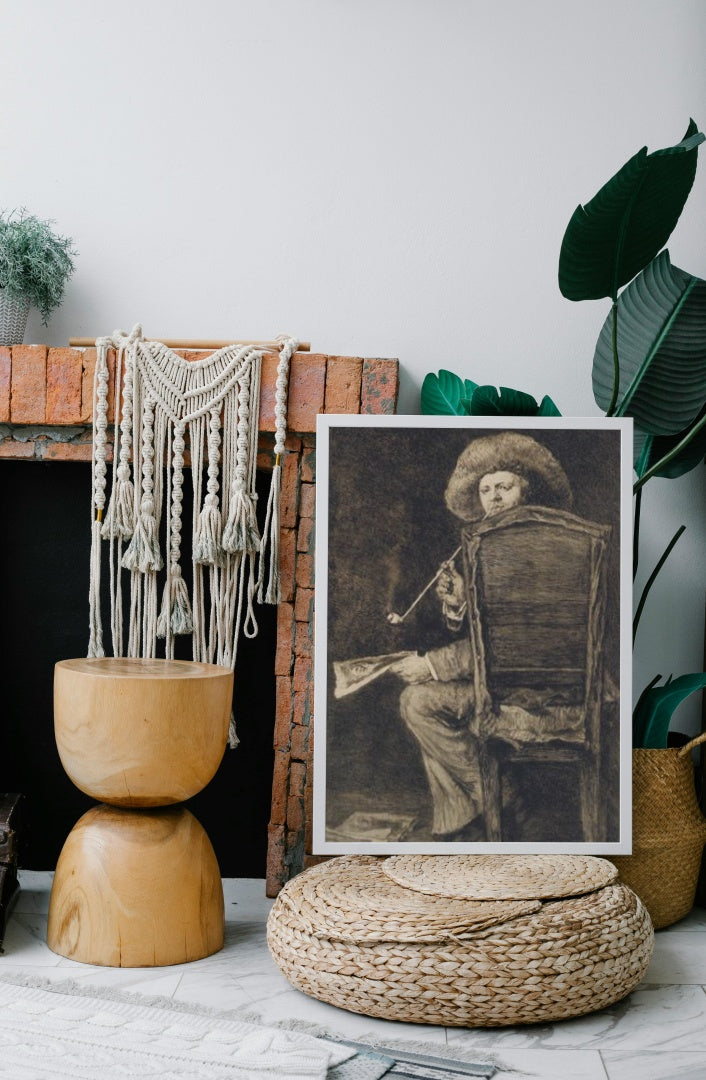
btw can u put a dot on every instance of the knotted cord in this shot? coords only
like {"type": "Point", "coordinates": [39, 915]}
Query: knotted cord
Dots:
{"type": "Point", "coordinates": [161, 401]}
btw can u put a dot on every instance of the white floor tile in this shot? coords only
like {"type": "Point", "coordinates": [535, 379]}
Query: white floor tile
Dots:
{"type": "Point", "coordinates": [213, 989]}
{"type": "Point", "coordinates": [548, 1064]}
{"type": "Point", "coordinates": [677, 1065]}
{"type": "Point", "coordinates": [35, 887]}
{"type": "Point", "coordinates": [652, 1017]}
{"type": "Point", "coordinates": [289, 1005]}
{"type": "Point", "coordinates": [679, 957]}
{"type": "Point", "coordinates": [694, 921]}
{"type": "Point", "coordinates": [25, 942]}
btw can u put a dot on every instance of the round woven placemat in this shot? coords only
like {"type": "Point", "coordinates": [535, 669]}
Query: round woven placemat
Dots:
{"type": "Point", "coordinates": [500, 877]}
{"type": "Point", "coordinates": [353, 900]}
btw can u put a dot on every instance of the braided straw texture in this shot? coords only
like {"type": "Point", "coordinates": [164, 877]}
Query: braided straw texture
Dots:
{"type": "Point", "coordinates": [362, 904]}
{"type": "Point", "coordinates": [501, 877]}
{"type": "Point", "coordinates": [570, 957]}
{"type": "Point", "coordinates": [668, 831]}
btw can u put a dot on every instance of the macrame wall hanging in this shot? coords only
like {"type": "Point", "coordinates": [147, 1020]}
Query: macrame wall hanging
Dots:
{"type": "Point", "coordinates": [214, 403]}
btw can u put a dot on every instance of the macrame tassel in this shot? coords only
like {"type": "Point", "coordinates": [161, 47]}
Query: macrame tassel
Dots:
{"type": "Point", "coordinates": [95, 639]}
{"type": "Point", "coordinates": [241, 532]}
{"type": "Point", "coordinates": [175, 614]}
{"type": "Point", "coordinates": [208, 540]}
{"type": "Point", "coordinates": [99, 469]}
{"type": "Point", "coordinates": [120, 517]}
{"type": "Point", "coordinates": [208, 548]}
{"type": "Point", "coordinates": [273, 592]}
{"type": "Point", "coordinates": [143, 552]}
{"type": "Point", "coordinates": [233, 739]}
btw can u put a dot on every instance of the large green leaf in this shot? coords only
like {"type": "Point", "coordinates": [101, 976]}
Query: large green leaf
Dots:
{"type": "Point", "coordinates": [610, 239]}
{"type": "Point", "coordinates": [445, 394]}
{"type": "Point", "coordinates": [661, 350]}
{"type": "Point", "coordinates": [654, 710]}
{"type": "Point", "coordinates": [649, 450]}
{"type": "Point", "coordinates": [547, 407]}
{"type": "Point", "coordinates": [502, 401]}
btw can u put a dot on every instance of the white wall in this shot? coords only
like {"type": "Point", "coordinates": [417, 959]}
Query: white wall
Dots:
{"type": "Point", "coordinates": [382, 177]}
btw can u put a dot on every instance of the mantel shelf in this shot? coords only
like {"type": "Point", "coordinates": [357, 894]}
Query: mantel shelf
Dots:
{"type": "Point", "coordinates": [46, 389]}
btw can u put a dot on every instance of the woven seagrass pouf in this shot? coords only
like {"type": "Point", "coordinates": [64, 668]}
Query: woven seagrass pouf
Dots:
{"type": "Point", "coordinates": [373, 936]}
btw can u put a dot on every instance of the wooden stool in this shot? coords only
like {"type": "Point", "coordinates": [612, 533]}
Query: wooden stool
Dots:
{"type": "Point", "coordinates": [137, 886]}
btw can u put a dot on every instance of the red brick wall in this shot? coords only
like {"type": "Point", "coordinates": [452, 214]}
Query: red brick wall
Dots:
{"type": "Point", "coordinates": [46, 398]}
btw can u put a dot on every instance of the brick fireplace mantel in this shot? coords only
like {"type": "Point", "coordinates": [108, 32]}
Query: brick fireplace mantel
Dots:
{"type": "Point", "coordinates": [46, 399]}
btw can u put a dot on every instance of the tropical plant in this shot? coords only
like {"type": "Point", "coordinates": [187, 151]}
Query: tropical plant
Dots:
{"type": "Point", "coordinates": [650, 358]}
{"type": "Point", "coordinates": [655, 334]}
{"type": "Point", "coordinates": [35, 263]}
{"type": "Point", "coordinates": [447, 394]}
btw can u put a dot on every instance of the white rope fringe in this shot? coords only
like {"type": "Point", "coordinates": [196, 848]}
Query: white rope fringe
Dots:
{"type": "Point", "coordinates": [273, 592]}
{"type": "Point", "coordinates": [100, 427]}
{"type": "Point", "coordinates": [163, 404]}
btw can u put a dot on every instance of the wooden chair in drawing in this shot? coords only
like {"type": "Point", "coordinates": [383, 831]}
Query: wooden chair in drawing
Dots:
{"type": "Point", "coordinates": [536, 590]}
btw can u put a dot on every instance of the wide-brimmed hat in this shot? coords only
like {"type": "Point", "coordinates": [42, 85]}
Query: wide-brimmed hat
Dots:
{"type": "Point", "coordinates": [508, 451]}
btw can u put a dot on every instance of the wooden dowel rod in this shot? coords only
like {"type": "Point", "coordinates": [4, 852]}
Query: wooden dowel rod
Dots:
{"type": "Point", "coordinates": [173, 343]}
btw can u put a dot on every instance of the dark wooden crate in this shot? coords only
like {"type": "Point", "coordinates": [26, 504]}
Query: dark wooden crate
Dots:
{"type": "Point", "coordinates": [10, 835]}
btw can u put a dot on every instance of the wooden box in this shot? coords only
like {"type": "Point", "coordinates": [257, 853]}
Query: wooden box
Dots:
{"type": "Point", "coordinates": [10, 831]}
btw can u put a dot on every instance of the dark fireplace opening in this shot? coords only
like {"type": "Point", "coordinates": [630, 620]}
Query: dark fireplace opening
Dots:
{"type": "Point", "coordinates": [44, 561]}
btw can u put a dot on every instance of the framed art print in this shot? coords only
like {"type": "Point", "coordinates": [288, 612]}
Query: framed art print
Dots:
{"type": "Point", "coordinates": [472, 635]}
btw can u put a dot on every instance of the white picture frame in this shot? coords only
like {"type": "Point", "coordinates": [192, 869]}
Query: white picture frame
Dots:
{"type": "Point", "coordinates": [386, 524]}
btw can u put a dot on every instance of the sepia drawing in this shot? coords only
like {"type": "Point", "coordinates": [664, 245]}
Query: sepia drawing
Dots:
{"type": "Point", "coordinates": [474, 691]}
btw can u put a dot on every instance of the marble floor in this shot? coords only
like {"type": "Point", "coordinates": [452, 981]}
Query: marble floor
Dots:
{"type": "Point", "coordinates": [658, 1033]}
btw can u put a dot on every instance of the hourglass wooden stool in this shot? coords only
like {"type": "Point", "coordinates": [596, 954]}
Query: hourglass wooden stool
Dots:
{"type": "Point", "coordinates": [137, 883]}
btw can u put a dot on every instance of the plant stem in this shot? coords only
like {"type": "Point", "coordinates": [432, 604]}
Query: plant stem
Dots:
{"type": "Point", "coordinates": [651, 579]}
{"type": "Point", "coordinates": [638, 736]}
{"type": "Point", "coordinates": [636, 533]}
{"type": "Point", "coordinates": [691, 433]}
{"type": "Point", "coordinates": [616, 365]}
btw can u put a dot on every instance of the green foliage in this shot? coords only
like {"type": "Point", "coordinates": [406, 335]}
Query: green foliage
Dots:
{"type": "Point", "coordinates": [654, 710]}
{"type": "Point", "coordinates": [664, 455]}
{"type": "Point", "coordinates": [610, 239]}
{"type": "Point", "coordinates": [487, 401]}
{"type": "Point", "coordinates": [661, 344]}
{"type": "Point", "coordinates": [653, 577]}
{"type": "Point", "coordinates": [35, 263]}
{"type": "Point", "coordinates": [445, 394]}
{"type": "Point", "coordinates": [650, 359]}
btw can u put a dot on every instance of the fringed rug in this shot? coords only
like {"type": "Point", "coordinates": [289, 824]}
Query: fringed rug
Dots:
{"type": "Point", "coordinates": [62, 1030]}
{"type": "Point", "coordinates": [65, 1031]}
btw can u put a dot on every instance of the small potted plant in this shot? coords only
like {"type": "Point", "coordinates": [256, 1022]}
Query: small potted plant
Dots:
{"type": "Point", "coordinates": [35, 264]}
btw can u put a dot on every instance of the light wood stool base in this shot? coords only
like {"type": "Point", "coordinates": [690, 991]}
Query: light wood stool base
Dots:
{"type": "Point", "coordinates": [137, 886]}
{"type": "Point", "coordinates": [136, 889]}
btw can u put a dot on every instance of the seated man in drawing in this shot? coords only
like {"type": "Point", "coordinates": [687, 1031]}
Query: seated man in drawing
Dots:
{"type": "Point", "coordinates": [493, 474]}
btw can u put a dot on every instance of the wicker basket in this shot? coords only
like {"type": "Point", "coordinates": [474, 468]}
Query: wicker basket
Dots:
{"type": "Point", "coordinates": [668, 833]}
{"type": "Point", "coordinates": [13, 319]}
{"type": "Point", "coordinates": [396, 960]}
